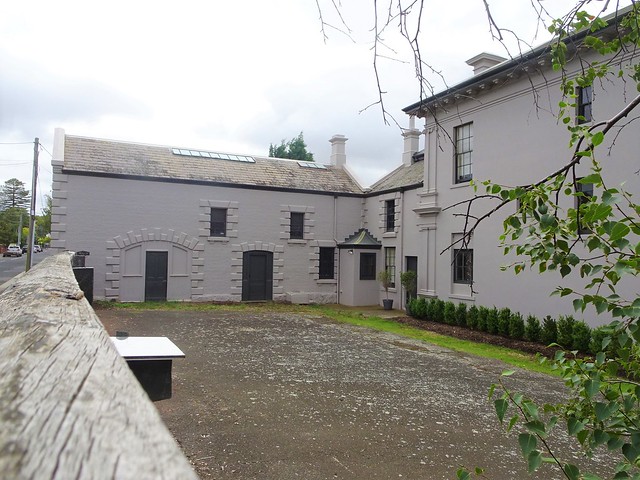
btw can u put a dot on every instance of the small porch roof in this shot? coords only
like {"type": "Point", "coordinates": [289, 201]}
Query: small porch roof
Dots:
{"type": "Point", "coordinates": [361, 239]}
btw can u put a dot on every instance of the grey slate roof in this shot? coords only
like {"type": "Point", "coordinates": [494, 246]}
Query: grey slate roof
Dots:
{"type": "Point", "coordinates": [402, 176]}
{"type": "Point", "coordinates": [107, 157]}
{"type": "Point", "coordinates": [361, 239]}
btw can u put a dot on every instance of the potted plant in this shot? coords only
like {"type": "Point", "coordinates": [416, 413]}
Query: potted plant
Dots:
{"type": "Point", "coordinates": [408, 280]}
{"type": "Point", "coordinates": [385, 279]}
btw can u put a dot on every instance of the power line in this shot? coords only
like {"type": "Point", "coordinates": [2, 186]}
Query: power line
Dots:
{"type": "Point", "coordinates": [12, 164]}
{"type": "Point", "coordinates": [43, 147]}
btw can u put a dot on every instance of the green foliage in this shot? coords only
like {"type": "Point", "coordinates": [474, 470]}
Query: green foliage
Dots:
{"type": "Point", "coordinates": [532, 330]}
{"type": "Point", "coordinates": [492, 321]}
{"type": "Point", "coordinates": [409, 280]}
{"type": "Point", "coordinates": [294, 149]}
{"type": "Point", "coordinates": [436, 312]}
{"type": "Point", "coordinates": [565, 331]}
{"type": "Point", "coordinates": [481, 319]}
{"type": "Point", "coordinates": [461, 315]}
{"type": "Point", "coordinates": [9, 224]}
{"type": "Point", "coordinates": [581, 337]}
{"type": "Point", "coordinates": [516, 326]}
{"type": "Point", "coordinates": [13, 194]}
{"type": "Point", "coordinates": [472, 317]}
{"type": "Point", "coordinates": [450, 313]}
{"type": "Point", "coordinates": [549, 332]}
{"type": "Point", "coordinates": [504, 317]}
{"type": "Point", "coordinates": [386, 279]}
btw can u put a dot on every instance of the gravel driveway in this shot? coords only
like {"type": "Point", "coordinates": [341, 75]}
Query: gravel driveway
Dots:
{"type": "Point", "coordinates": [295, 396]}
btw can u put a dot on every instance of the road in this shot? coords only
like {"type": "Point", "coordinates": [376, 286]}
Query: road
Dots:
{"type": "Point", "coordinates": [12, 266]}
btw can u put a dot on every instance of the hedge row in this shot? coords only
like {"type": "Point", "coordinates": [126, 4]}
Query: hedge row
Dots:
{"type": "Point", "coordinates": [566, 331]}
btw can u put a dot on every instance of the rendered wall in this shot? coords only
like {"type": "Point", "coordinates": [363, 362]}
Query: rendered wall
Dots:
{"type": "Point", "coordinates": [517, 141]}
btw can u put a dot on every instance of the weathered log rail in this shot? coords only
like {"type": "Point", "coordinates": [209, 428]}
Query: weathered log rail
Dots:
{"type": "Point", "coordinates": [69, 405]}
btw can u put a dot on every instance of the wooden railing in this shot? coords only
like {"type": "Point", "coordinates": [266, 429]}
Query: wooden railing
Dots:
{"type": "Point", "coordinates": [69, 406]}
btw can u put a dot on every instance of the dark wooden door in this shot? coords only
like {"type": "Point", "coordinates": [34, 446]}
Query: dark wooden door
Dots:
{"type": "Point", "coordinates": [155, 277]}
{"type": "Point", "coordinates": [257, 276]}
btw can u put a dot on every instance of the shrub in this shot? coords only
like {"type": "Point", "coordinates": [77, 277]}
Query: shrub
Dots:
{"type": "Point", "coordinates": [461, 314]}
{"type": "Point", "coordinates": [581, 337]}
{"type": "Point", "coordinates": [472, 317]}
{"type": "Point", "coordinates": [438, 310]}
{"type": "Point", "coordinates": [418, 308]}
{"type": "Point", "coordinates": [492, 320]}
{"type": "Point", "coordinates": [597, 337]}
{"type": "Point", "coordinates": [450, 313]}
{"type": "Point", "coordinates": [481, 319]}
{"type": "Point", "coordinates": [504, 317]}
{"type": "Point", "coordinates": [516, 326]}
{"type": "Point", "coordinates": [532, 330]}
{"type": "Point", "coordinates": [549, 333]}
{"type": "Point", "coordinates": [565, 331]}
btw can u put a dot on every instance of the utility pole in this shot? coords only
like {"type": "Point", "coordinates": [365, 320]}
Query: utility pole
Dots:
{"type": "Point", "coordinates": [32, 219]}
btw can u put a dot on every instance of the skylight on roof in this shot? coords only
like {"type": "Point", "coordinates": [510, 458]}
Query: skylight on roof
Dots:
{"type": "Point", "coordinates": [220, 156]}
{"type": "Point", "coordinates": [318, 166]}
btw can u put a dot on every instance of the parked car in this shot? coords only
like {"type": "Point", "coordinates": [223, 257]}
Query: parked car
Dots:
{"type": "Point", "coordinates": [37, 248]}
{"type": "Point", "coordinates": [13, 250]}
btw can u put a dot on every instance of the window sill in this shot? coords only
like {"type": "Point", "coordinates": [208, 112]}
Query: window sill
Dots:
{"type": "Point", "coordinates": [461, 184]}
{"type": "Point", "coordinates": [218, 239]}
{"type": "Point", "coordinates": [327, 281]}
{"type": "Point", "coordinates": [462, 297]}
{"type": "Point", "coordinates": [389, 235]}
{"type": "Point", "coordinates": [296, 242]}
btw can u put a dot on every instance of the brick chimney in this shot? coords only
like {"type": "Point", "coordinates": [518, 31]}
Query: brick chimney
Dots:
{"type": "Point", "coordinates": [411, 142]}
{"type": "Point", "coordinates": [338, 153]}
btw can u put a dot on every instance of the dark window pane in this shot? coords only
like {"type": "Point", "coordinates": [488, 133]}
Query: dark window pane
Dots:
{"type": "Point", "coordinates": [297, 225]}
{"type": "Point", "coordinates": [367, 266]}
{"type": "Point", "coordinates": [326, 263]}
{"type": "Point", "coordinates": [586, 190]}
{"type": "Point", "coordinates": [585, 99]}
{"type": "Point", "coordinates": [463, 265]}
{"type": "Point", "coordinates": [218, 226]}
{"type": "Point", "coordinates": [390, 215]}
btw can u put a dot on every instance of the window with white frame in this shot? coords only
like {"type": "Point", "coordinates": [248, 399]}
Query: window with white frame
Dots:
{"type": "Point", "coordinates": [390, 264]}
{"type": "Point", "coordinates": [463, 265]}
{"type": "Point", "coordinates": [583, 104]}
{"type": "Point", "coordinates": [463, 144]}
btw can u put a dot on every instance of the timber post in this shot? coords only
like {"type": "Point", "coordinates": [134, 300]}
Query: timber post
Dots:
{"type": "Point", "coordinates": [69, 405]}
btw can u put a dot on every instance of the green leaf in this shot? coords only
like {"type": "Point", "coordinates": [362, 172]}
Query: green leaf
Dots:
{"type": "Point", "coordinates": [501, 406]}
{"type": "Point", "coordinates": [536, 427]}
{"type": "Point", "coordinates": [630, 452]}
{"type": "Point", "coordinates": [527, 443]}
{"type": "Point", "coordinates": [462, 474]}
{"type": "Point", "coordinates": [507, 373]}
{"type": "Point", "coordinates": [574, 426]}
{"type": "Point", "coordinates": [534, 460]}
{"type": "Point", "coordinates": [619, 231]}
{"type": "Point", "coordinates": [571, 471]}
{"type": "Point", "coordinates": [597, 139]}
{"type": "Point", "coordinates": [591, 387]}
{"type": "Point", "coordinates": [512, 422]}
{"type": "Point", "coordinates": [615, 443]}
{"type": "Point", "coordinates": [604, 410]}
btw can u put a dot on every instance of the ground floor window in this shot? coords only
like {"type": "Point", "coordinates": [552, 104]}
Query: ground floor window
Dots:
{"type": "Point", "coordinates": [463, 265]}
{"type": "Point", "coordinates": [390, 264]}
{"type": "Point", "coordinates": [327, 262]}
{"type": "Point", "coordinates": [367, 266]}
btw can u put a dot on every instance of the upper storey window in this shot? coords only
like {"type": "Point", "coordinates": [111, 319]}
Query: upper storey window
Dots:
{"type": "Point", "coordinates": [583, 106]}
{"type": "Point", "coordinates": [463, 138]}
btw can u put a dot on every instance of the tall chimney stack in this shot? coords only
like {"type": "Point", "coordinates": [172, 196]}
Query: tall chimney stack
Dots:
{"type": "Point", "coordinates": [338, 151]}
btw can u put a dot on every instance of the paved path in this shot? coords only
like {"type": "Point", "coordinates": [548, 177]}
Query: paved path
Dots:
{"type": "Point", "coordinates": [287, 396]}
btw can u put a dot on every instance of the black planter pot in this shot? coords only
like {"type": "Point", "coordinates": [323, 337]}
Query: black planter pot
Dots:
{"type": "Point", "coordinates": [387, 303]}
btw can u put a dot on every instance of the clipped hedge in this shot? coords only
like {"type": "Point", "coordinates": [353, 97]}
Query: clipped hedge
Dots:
{"type": "Point", "coordinates": [566, 331]}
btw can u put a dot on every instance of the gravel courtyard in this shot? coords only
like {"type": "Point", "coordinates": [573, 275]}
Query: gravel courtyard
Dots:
{"type": "Point", "coordinates": [296, 396]}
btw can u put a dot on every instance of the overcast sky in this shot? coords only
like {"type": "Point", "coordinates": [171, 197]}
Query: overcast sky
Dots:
{"type": "Point", "coordinates": [231, 76]}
